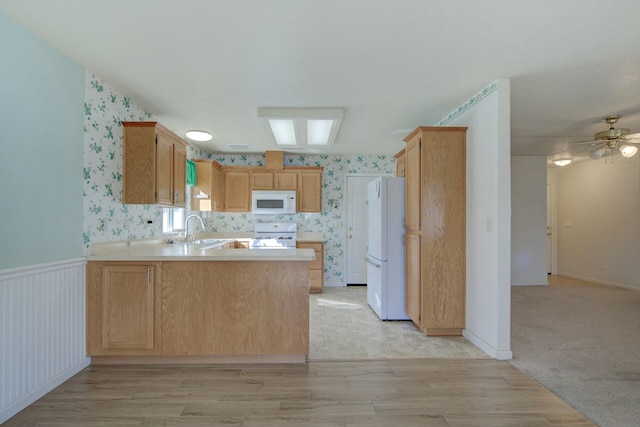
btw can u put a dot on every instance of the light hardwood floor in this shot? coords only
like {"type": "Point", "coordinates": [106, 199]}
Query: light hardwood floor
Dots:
{"type": "Point", "coordinates": [416, 381]}
{"type": "Point", "coordinates": [407, 392]}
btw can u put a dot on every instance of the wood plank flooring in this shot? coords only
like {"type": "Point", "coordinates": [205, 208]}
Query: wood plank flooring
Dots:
{"type": "Point", "coordinates": [372, 393]}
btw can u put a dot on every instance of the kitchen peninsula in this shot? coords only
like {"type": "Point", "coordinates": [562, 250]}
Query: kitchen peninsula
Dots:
{"type": "Point", "coordinates": [153, 302]}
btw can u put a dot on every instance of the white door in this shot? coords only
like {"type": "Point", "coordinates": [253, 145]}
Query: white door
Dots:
{"type": "Point", "coordinates": [355, 254]}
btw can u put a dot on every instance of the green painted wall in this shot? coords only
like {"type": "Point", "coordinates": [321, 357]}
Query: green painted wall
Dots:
{"type": "Point", "coordinates": [41, 150]}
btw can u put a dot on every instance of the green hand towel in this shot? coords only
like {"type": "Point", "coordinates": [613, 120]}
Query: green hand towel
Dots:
{"type": "Point", "coordinates": [192, 179]}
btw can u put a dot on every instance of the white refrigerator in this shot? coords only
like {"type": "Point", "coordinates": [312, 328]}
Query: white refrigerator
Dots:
{"type": "Point", "coordinates": [384, 222]}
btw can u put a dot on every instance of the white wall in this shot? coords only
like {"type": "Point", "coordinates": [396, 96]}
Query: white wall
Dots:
{"type": "Point", "coordinates": [42, 275]}
{"type": "Point", "coordinates": [599, 221]}
{"type": "Point", "coordinates": [487, 115]}
{"type": "Point", "coordinates": [528, 220]}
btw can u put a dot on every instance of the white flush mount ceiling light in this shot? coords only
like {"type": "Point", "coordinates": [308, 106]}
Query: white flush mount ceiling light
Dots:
{"type": "Point", "coordinates": [299, 128]}
{"type": "Point", "coordinates": [199, 135]}
{"type": "Point", "coordinates": [612, 138]}
{"type": "Point", "coordinates": [562, 162]}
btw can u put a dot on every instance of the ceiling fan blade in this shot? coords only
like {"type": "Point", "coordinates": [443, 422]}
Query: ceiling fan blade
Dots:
{"type": "Point", "coordinates": [591, 141]}
{"type": "Point", "coordinates": [633, 138]}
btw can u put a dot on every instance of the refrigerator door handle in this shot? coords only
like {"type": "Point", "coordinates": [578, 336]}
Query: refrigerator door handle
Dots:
{"type": "Point", "coordinates": [372, 263]}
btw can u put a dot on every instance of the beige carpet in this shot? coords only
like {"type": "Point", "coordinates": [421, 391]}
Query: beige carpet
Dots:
{"type": "Point", "coordinates": [344, 327]}
{"type": "Point", "coordinates": [581, 341]}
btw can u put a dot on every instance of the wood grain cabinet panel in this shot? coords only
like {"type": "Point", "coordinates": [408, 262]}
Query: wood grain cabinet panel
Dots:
{"type": "Point", "coordinates": [154, 165]}
{"type": "Point", "coordinates": [123, 308]}
{"type": "Point", "coordinates": [316, 267]}
{"type": "Point", "coordinates": [285, 180]}
{"type": "Point", "coordinates": [218, 308]}
{"type": "Point", "coordinates": [261, 180]}
{"type": "Point", "coordinates": [206, 195]}
{"type": "Point", "coordinates": [435, 176]}
{"type": "Point", "coordinates": [400, 164]}
{"type": "Point", "coordinates": [413, 298]}
{"type": "Point", "coordinates": [310, 191]}
{"type": "Point", "coordinates": [237, 194]}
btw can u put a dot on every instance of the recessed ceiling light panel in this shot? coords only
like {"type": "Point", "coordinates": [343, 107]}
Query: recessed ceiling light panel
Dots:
{"type": "Point", "coordinates": [302, 127]}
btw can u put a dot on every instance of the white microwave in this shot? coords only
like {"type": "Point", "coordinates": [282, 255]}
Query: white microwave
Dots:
{"type": "Point", "coordinates": [273, 202]}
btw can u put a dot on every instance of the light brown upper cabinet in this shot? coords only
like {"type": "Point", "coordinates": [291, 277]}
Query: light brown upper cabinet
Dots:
{"type": "Point", "coordinates": [435, 239]}
{"type": "Point", "coordinates": [237, 192]}
{"type": "Point", "coordinates": [310, 190]}
{"type": "Point", "coordinates": [206, 195]}
{"type": "Point", "coordinates": [400, 164]}
{"type": "Point", "coordinates": [261, 179]}
{"type": "Point", "coordinates": [154, 165]}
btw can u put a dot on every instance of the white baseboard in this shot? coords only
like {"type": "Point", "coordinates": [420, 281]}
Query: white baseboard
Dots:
{"type": "Point", "coordinates": [545, 283]}
{"type": "Point", "coordinates": [334, 284]}
{"type": "Point", "coordinates": [43, 389]}
{"type": "Point", "coordinates": [484, 346]}
{"type": "Point", "coordinates": [598, 281]}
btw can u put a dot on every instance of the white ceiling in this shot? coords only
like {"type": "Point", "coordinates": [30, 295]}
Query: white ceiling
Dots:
{"type": "Point", "coordinates": [391, 64]}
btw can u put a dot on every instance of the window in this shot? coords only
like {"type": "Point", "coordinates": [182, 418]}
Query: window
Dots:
{"type": "Point", "coordinates": [173, 220]}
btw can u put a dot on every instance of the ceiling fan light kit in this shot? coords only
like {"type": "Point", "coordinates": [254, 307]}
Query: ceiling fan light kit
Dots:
{"type": "Point", "coordinates": [562, 162]}
{"type": "Point", "coordinates": [628, 150]}
{"type": "Point", "coordinates": [612, 138]}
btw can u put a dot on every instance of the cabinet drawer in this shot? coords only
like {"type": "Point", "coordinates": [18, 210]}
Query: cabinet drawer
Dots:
{"type": "Point", "coordinates": [317, 263]}
{"type": "Point", "coordinates": [317, 247]}
{"type": "Point", "coordinates": [315, 281]}
{"type": "Point", "coordinates": [310, 245]}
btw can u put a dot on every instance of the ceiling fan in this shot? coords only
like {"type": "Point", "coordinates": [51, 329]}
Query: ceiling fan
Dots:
{"type": "Point", "coordinates": [612, 138]}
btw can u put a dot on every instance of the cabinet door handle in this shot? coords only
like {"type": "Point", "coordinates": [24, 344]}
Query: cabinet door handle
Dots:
{"type": "Point", "coordinates": [148, 275]}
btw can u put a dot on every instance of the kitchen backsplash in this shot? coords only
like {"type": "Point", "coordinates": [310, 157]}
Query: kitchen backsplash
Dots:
{"type": "Point", "coordinates": [107, 219]}
{"type": "Point", "coordinates": [331, 221]}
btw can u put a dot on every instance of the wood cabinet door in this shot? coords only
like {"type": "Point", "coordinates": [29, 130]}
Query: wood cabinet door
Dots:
{"type": "Point", "coordinates": [285, 180]}
{"type": "Point", "coordinates": [123, 309]}
{"type": "Point", "coordinates": [139, 164]}
{"type": "Point", "coordinates": [443, 231]}
{"type": "Point", "coordinates": [179, 175]}
{"type": "Point", "coordinates": [261, 180]}
{"type": "Point", "coordinates": [400, 164]}
{"type": "Point", "coordinates": [164, 169]}
{"type": "Point", "coordinates": [412, 288]}
{"type": "Point", "coordinates": [310, 191]}
{"type": "Point", "coordinates": [412, 185]}
{"type": "Point", "coordinates": [237, 197]}
{"type": "Point", "coordinates": [201, 193]}
{"type": "Point", "coordinates": [216, 189]}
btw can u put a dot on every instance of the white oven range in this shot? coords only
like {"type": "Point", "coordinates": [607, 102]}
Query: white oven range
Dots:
{"type": "Point", "coordinates": [274, 235]}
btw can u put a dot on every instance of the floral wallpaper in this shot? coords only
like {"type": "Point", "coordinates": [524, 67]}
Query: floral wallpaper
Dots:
{"type": "Point", "coordinates": [330, 222]}
{"type": "Point", "coordinates": [107, 219]}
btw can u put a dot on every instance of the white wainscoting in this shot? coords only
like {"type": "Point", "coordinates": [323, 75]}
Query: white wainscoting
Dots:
{"type": "Point", "coordinates": [42, 331]}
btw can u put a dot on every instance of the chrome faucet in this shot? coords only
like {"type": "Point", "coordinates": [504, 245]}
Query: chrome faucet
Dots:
{"type": "Point", "coordinates": [187, 235]}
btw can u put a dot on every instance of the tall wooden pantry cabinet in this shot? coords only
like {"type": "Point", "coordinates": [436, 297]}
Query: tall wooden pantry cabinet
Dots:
{"type": "Point", "coordinates": [435, 237]}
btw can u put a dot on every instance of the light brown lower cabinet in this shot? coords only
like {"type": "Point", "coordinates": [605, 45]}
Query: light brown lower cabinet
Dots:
{"type": "Point", "coordinates": [316, 268]}
{"type": "Point", "coordinates": [123, 308]}
{"type": "Point", "coordinates": [412, 277]}
{"type": "Point", "coordinates": [197, 308]}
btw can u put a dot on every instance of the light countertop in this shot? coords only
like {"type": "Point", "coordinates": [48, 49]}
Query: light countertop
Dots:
{"type": "Point", "coordinates": [157, 249]}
